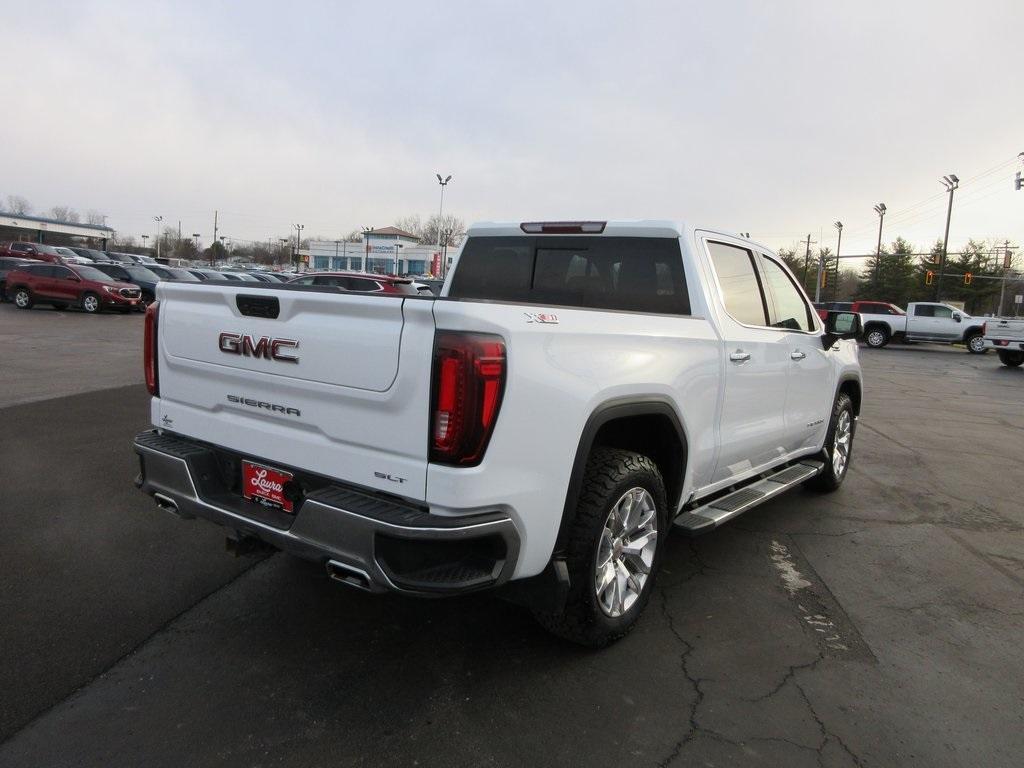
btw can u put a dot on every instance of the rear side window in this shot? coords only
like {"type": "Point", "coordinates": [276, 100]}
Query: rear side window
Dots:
{"type": "Point", "coordinates": [924, 310]}
{"type": "Point", "coordinates": [741, 289]}
{"type": "Point", "coordinates": [632, 274]}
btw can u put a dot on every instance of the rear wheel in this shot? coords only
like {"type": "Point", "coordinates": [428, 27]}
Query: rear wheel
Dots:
{"type": "Point", "coordinates": [876, 337]}
{"type": "Point", "coordinates": [614, 548]}
{"type": "Point", "coordinates": [1011, 358]}
{"type": "Point", "coordinates": [838, 446]}
{"type": "Point", "coordinates": [91, 303]}
{"type": "Point", "coordinates": [975, 344]}
{"type": "Point", "coordinates": [23, 298]}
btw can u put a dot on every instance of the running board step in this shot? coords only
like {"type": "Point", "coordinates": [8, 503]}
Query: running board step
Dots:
{"type": "Point", "coordinates": [711, 515]}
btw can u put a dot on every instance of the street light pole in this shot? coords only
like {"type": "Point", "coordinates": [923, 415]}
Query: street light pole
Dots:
{"type": "Point", "coordinates": [196, 236]}
{"type": "Point", "coordinates": [336, 244]}
{"type": "Point", "coordinates": [366, 242]}
{"type": "Point", "coordinates": [397, 246]}
{"type": "Point", "coordinates": [952, 183]}
{"type": "Point", "coordinates": [835, 287]}
{"type": "Point", "coordinates": [284, 242]}
{"type": "Point", "coordinates": [158, 220]}
{"type": "Point", "coordinates": [880, 210]}
{"type": "Point", "coordinates": [298, 242]}
{"type": "Point", "coordinates": [440, 214]}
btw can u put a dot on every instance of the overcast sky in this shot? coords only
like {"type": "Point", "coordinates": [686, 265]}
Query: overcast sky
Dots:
{"type": "Point", "coordinates": [775, 118]}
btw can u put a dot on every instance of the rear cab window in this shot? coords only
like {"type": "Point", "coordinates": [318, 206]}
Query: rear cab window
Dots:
{"type": "Point", "coordinates": [631, 274]}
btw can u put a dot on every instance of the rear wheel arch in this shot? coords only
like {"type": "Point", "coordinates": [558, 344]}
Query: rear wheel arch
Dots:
{"type": "Point", "coordinates": [648, 426]}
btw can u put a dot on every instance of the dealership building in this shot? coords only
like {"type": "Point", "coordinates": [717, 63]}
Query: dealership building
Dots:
{"type": "Point", "coordinates": [38, 229]}
{"type": "Point", "coordinates": [388, 250]}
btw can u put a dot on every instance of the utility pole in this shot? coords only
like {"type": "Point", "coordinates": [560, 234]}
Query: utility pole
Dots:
{"type": "Point", "coordinates": [880, 210]}
{"type": "Point", "coordinates": [951, 182]}
{"type": "Point", "coordinates": [214, 231]}
{"type": "Point", "coordinates": [807, 258]}
{"type": "Point", "coordinates": [1007, 264]}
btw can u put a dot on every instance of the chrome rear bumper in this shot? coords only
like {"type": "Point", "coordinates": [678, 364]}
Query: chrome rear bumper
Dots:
{"type": "Point", "coordinates": [365, 540]}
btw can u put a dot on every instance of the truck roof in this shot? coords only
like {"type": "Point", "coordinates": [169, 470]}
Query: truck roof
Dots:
{"type": "Point", "coordinates": [610, 228]}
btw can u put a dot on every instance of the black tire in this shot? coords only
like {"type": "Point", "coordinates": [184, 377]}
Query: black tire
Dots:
{"type": "Point", "coordinates": [91, 303]}
{"type": "Point", "coordinates": [975, 343]}
{"type": "Point", "coordinates": [1011, 358]}
{"type": "Point", "coordinates": [829, 480]}
{"type": "Point", "coordinates": [23, 298]}
{"type": "Point", "coordinates": [609, 475]}
{"type": "Point", "coordinates": [876, 336]}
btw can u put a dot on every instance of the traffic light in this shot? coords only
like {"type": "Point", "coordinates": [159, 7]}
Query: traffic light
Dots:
{"type": "Point", "coordinates": [928, 277]}
{"type": "Point", "coordinates": [967, 278]}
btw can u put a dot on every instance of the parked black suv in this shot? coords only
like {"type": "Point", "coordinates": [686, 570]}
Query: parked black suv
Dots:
{"type": "Point", "coordinates": [141, 276]}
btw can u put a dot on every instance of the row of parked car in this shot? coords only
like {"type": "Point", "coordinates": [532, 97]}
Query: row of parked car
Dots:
{"type": "Point", "coordinates": [33, 273]}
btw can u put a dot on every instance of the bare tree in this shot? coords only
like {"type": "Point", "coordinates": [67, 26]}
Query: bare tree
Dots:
{"type": "Point", "coordinates": [452, 230]}
{"type": "Point", "coordinates": [355, 236]}
{"type": "Point", "coordinates": [411, 224]}
{"type": "Point", "coordinates": [64, 213]}
{"type": "Point", "coordinates": [95, 217]}
{"type": "Point", "coordinates": [18, 205]}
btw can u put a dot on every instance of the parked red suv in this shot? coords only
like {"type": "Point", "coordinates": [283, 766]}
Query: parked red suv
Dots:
{"type": "Point", "coordinates": [36, 251]}
{"type": "Point", "coordinates": [359, 282]}
{"type": "Point", "coordinates": [64, 284]}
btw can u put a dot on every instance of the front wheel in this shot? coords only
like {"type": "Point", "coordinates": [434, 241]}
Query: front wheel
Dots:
{"type": "Point", "coordinates": [838, 450]}
{"type": "Point", "coordinates": [876, 338]}
{"type": "Point", "coordinates": [976, 344]}
{"type": "Point", "coordinates": [1010, 358]}
{"type": "Point", "coordinates": [91, 303]}
{"type": "Point", "coordinates": [614, 548]}
{"type": "Point", "coordinates": [23, 299]}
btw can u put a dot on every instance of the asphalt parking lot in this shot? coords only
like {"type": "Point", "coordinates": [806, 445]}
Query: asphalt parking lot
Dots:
{"type": "Point", "coordinates": [878, 626]}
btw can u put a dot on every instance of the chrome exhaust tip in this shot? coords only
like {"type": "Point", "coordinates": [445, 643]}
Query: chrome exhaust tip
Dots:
{"type": "Point", "coordinates": [167, 504]}
{"type": "Point", "coordinates": [346, 574]}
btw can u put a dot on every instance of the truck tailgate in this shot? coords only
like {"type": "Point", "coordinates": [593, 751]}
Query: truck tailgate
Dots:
{"type": "Point", "coordinates": [346, 395]}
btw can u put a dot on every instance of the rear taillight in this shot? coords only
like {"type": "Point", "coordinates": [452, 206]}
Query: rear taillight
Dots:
{"type": "Point", "coordinates": [149, 349]}
{"type": "Point", "coordinates": [468, 383]}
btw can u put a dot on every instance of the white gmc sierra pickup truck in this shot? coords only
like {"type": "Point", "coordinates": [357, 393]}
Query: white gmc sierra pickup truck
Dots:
{"type": "Point", "coordinates": [577, 390]}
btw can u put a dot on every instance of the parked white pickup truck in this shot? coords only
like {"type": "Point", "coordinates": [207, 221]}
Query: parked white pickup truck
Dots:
{"type": "Point", "coordinates": [1006, 336]}
{"type": "Point", "coordinates": [577, 390]}
{"type": "Point", "coordinates": [925, 321]}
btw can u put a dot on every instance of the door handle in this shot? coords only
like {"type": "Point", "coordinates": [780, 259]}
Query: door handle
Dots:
{"type": "Point", "coordinates": [797, 355]}
{"type": "Point", "coordinates": [739, 356]}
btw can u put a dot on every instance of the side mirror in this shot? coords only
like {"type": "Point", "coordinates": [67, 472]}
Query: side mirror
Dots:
{"type": "Point", "coordinates": [840, 325]}
{"type": "Point", "coordinates": [957, 317]}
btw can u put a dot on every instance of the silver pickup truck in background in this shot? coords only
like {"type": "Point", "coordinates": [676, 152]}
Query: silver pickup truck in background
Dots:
{"type": "Point", "coordinates": [925, 321]}
{"type": "Point", "coordinates": [1006, 337]}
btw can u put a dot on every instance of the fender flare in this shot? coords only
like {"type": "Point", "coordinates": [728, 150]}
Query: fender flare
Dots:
{"type": "Point", "coordinates": [970, 331]}
{"type": "Point", "coordinates": [624, 407]}
{"type": "Point", "coordinates": [844, 379]}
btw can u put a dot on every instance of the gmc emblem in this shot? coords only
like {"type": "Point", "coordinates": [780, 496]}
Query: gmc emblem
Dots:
{"type": "Point", "coordinates": [266, 347]}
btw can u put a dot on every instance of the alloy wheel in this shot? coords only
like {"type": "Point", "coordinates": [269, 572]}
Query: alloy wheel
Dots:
{"type": "Point", "coordinates": [842, 443]}
{"type": "Point", "coordinates": [625, 551]}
